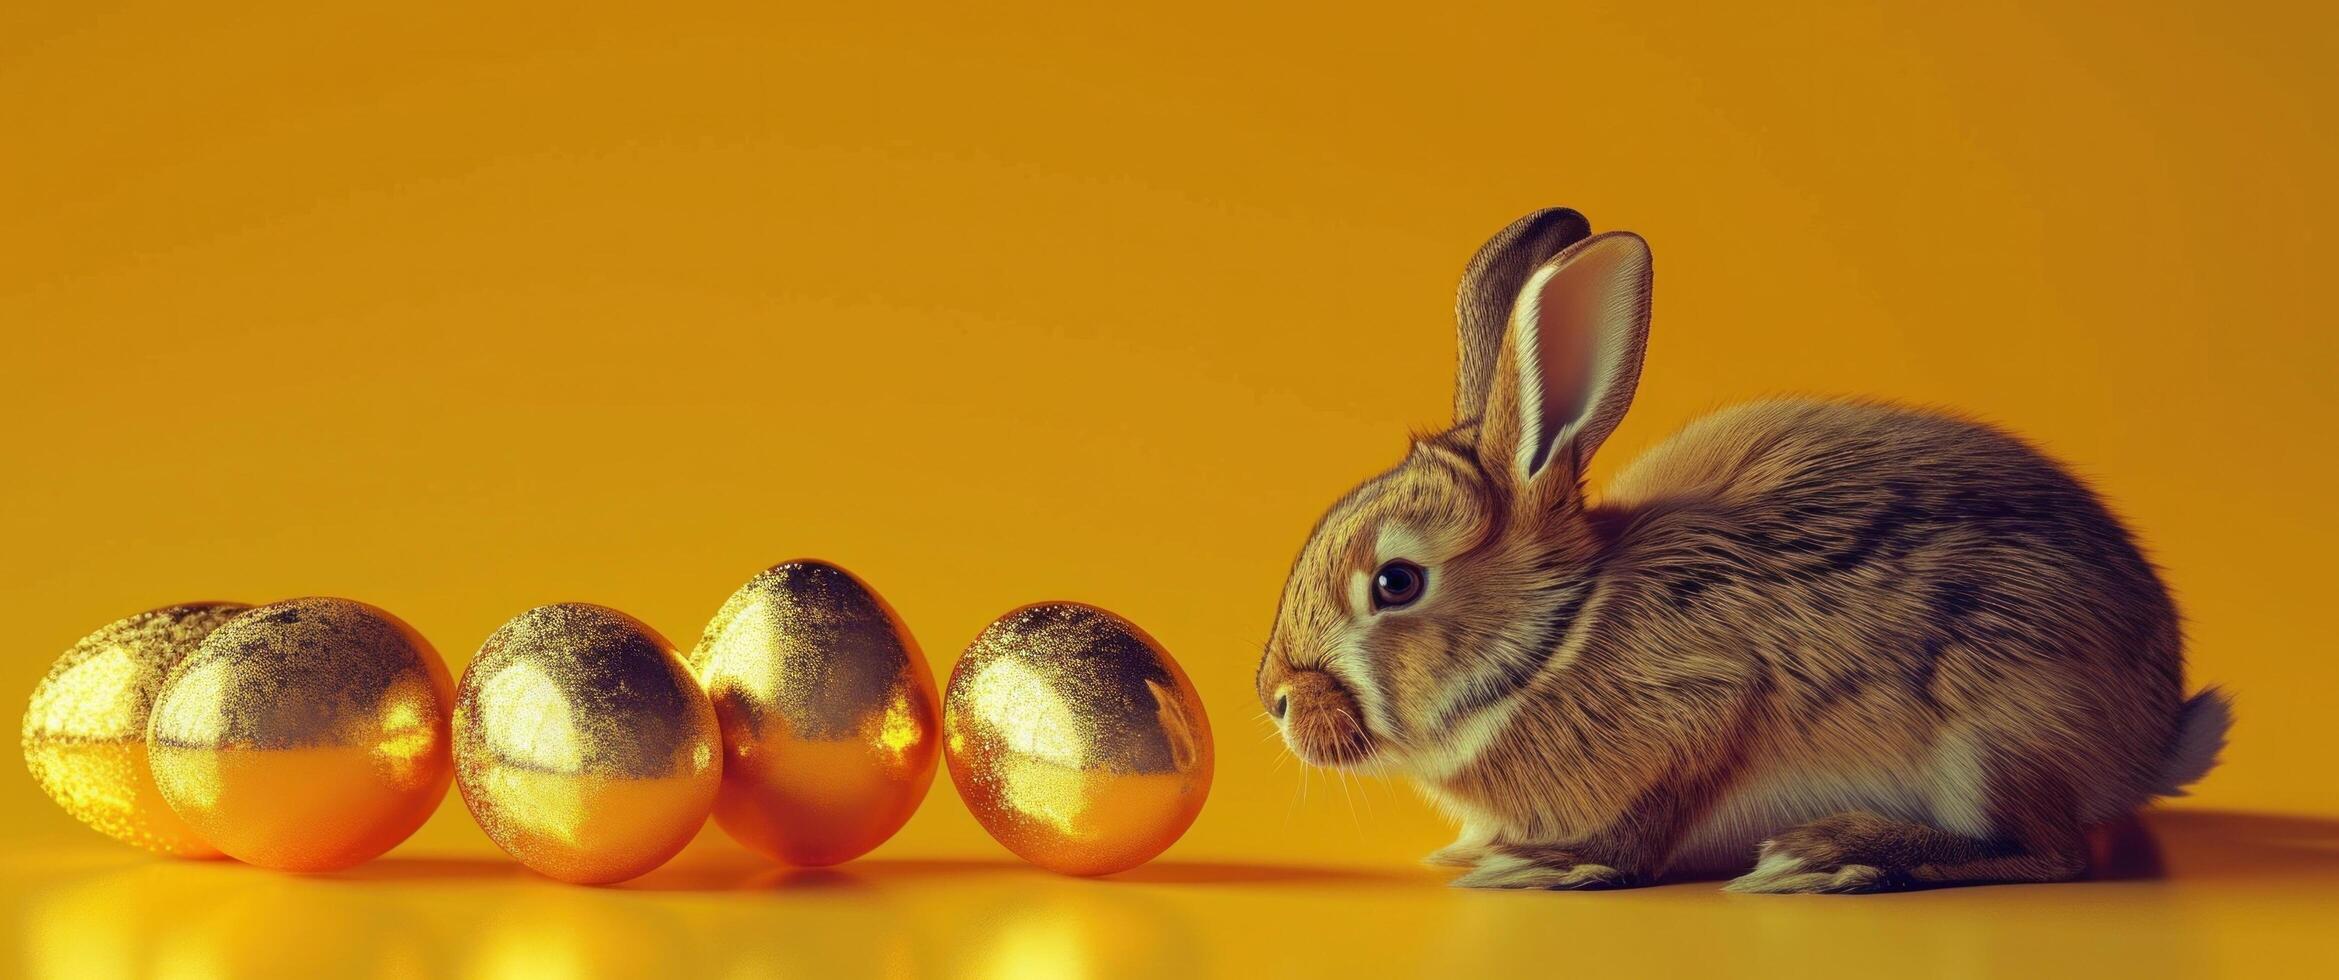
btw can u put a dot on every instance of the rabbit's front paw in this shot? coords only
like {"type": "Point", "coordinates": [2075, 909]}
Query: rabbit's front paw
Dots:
{"type": "Point", "coordinates": [1459, 854]}
{"type": "Point", "coordinates": [1517, 866]}
{"type": "Point", "coordinates": [1780, 872]}
{"type": "Point", "coordinates": [1843, 853]}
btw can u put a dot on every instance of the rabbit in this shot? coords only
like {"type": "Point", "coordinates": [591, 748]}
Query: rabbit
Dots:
{"type": "Point", "coordinates": [1825, 646]}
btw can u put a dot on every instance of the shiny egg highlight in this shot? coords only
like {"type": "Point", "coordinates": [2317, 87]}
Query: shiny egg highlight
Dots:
{"type": "Point", "coordinates": [305, 735]}
{"type": "Point", "coordinates": [583, 747]}
{"type": "Point", "coordinates": [828, 712]}
{"type": "Point", "coordinates": [1075, 739]}
{"type": "Point", "coordinates": [85, 730]}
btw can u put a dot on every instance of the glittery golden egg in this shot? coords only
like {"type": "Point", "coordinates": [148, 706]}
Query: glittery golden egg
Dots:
{"type": "Point", "coordinates": [828, 715]}
{"type": "Point", "coordinates": [85, 731]}
{"type": "Point", "coordinates": [583, 746]}
{"type": "Point", "coordinates": [305, 735]}
{"type": "Point", "coordinates": [1075, 739]}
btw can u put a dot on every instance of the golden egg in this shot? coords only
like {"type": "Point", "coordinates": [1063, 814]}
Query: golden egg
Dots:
{"type": "Point", "coordinates": [583, 746]}
{"type": "Point", "coordinates": [828, 715]}
{"type": "Point", "coordinates": [85, 731]}
{"type": "Point", "coordinates": [305, 735]}
{"type": "Point", "coordinates": [1075, 739]}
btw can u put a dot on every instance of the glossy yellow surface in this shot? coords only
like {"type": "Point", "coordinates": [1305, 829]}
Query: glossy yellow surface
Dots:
{"type": "Point", "coordinates": [828, 713]}
{"type": "Point", "coordinates": [304, 735]}
{"type": "Point", "coordinates": [582, 745]}
{"type": "Point", "coordinates": [85, 729]}
{"type": "Point", "coordinates": [456, 307]}
{"type": "Point", "coordinates": [1075, 739]}
{"type": "Point", "coordinates": [2240, 896]}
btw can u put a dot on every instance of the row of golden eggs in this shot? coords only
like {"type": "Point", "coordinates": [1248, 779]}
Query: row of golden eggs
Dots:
{"type": "Point", "coordinates": [317, 733]}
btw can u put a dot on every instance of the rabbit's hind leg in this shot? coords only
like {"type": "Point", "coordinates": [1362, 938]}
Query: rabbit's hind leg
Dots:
{"type": "Point", "coordinates": [1863, 852]}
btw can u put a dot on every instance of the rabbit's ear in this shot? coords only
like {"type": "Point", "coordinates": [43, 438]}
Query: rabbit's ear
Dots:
{"type": "Point", "coordinates": [1490, 286]}
{"type": "Point", "coordinates": [1569, 365]}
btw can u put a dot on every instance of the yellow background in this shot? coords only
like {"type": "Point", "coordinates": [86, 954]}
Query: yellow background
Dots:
{"type": "Point", "coordinates": [462, 311]}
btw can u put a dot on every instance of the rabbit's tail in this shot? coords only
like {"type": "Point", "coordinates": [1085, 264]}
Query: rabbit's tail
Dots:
{"type": "Point", "coordinates": [2201, 726]}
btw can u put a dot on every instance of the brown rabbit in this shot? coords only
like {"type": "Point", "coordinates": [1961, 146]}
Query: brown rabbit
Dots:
{"type": "Point", "coordinates": [1855, 646]}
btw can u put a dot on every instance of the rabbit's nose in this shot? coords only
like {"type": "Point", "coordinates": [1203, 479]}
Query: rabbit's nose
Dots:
{"type": "Point", "coordinates": [1322, 721]}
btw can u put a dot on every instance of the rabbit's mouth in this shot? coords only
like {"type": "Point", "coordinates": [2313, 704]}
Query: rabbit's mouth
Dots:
{"type": "Point", "coordinates": [1322, 721]}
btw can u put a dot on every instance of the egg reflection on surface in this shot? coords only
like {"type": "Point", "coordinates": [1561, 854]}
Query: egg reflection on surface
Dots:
{"type": "Point", "coordinates": [1075, 739]}
{"type": "Point", "coordinates": [828, 714]}
{"type": "Point", "coordinates": [304, 735]}
{"type": "Point", "coordinates": [85, 730]}
{"type": "Point", "coordinates": [583, 747]}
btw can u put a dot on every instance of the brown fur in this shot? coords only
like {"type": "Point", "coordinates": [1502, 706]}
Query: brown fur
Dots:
{"type": "Point", "coordinates": [1787, 616]}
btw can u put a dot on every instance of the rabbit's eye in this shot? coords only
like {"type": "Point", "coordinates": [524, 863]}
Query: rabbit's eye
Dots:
{"type": "Point", "coordinates": [1397, 584]}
